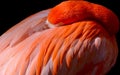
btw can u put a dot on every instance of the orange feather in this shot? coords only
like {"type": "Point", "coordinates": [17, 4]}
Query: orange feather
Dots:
{"type": "Point", "coordinates": [72, 38]}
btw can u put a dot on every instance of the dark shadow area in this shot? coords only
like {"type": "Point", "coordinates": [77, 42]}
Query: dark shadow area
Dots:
{"type": "Point", "coordinates": [115, 7]}
{"type": "Point", "coordinates": [12, 12]}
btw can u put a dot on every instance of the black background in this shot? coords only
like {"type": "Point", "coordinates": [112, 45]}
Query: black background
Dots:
{"type": "Point", "coordinates": [12, 12]}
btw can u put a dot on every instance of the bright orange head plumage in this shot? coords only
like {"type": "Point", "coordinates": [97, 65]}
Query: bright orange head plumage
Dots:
{"type": "Point", "coordinates": [73, 11]}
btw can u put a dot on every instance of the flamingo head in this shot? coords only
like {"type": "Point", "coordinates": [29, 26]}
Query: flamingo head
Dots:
{"type": "Point", "coordinates": [69, 12]}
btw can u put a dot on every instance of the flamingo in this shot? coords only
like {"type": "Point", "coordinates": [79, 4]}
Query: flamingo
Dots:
{"type": "Point", "coordinates": [72, 38]}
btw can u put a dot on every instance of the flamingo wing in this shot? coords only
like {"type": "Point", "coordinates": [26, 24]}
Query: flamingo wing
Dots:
{"type": "Point", "coordinates": [85, 47]}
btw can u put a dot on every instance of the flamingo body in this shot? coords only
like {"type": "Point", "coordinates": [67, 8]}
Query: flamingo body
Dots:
{"type": "Point", "coordinates": [79, 43]}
